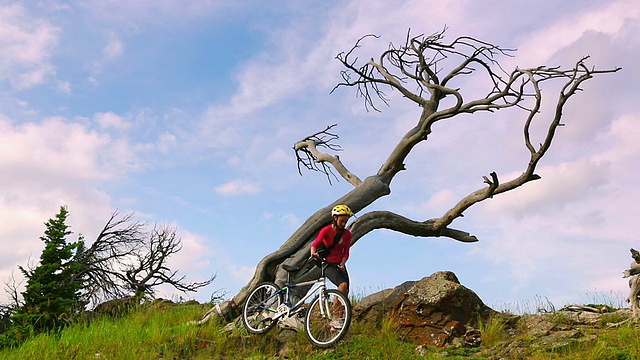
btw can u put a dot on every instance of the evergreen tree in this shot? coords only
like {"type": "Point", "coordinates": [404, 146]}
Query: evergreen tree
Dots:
{"type": "Point", "coordinates": [51, 297]}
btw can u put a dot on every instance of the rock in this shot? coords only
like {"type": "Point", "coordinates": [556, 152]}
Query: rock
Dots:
{"type": "Point", "coordinates": [160, 303]}
{"type": "Point", "coordinates": [433, 311]}
{"type": "Point", "coordinates": [284, 336]}
{"type": "Point", "coordinates": [372, 309]}
{"type": "Point", "coordinates": [117, 307]}
{"type": "Point", "coordinates": [537, 325]}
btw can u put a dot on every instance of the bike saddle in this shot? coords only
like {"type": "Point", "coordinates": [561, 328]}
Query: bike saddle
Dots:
{"type": "Point", "coordinates": [291, 268]}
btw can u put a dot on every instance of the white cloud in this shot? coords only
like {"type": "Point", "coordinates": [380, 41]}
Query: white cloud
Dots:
{"type": "Point", "coordinates": [202, 258]}
{"type": "Point", "coordinates": [610, 19]}
{"type": "Point", "coordinates": [32, 77]}
{"type": "Point", "coordinates": [49, 159]}
{"type": "Point", "coordinates": [194, 256]}
{"type": "Point", "coordinates": [114, 48]}
{"type": "Point", "coordinates": [237, 187]}
{"type": "Point", "coordinates": [53, 147]}
{"type": "Point", "coordinates": [26, 45]}
{"type": "Point", "coordinates": [622, 139]}
{"type": "Point", "coordinates": [577, 221]}
{"type": "Point", "coordinates": [291, 220]}
{"type": "Point", "coordinates": [64, 87]}
{"type": "Point", "coordinates": [152, 11]}
{"type": "Point", "coordinates": [110, 120]}
{"type": "Point", "coordinates": [560, 184]}
{"type": "Point", "coordinates": [243, 273]}
{"type": "Point", "coordinates": [166, 141]}
{"type": "Point", "coordinates": [438, 203]}
{"type": "Point", "coordinates": [219, 127]}
{"type": "Point", "coordinates": [46, 165]}
{"type": "Point", "coordinates": [279, 156]}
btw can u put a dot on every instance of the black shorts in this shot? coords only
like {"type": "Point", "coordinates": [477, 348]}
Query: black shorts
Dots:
{"type": "Point", "coordinates": [336, 275]}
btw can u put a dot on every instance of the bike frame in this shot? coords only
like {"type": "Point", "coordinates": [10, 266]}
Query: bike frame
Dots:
{"type": "Point", "coordinates": [269, 304]}
{"type": "Point", "coordinates": [322, 286]}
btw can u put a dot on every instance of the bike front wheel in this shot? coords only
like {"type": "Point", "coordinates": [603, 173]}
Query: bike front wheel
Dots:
{"type": "Point", "coordinates": [328, 318]}
{"type": "Point", "coordinates": [261, 307]}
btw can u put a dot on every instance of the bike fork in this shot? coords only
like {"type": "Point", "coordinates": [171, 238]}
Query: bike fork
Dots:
{"type": "Point", "coordinates": [325, 307]}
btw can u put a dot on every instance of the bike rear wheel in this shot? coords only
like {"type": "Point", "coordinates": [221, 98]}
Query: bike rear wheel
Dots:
{"type": "Point", "coordinates": [328, 318]}
{"type": "Point", "coordinates": [261, 307]}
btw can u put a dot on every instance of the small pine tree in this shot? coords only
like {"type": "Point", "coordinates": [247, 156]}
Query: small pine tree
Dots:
{"type": "Point", "coordinates": [51, 297]}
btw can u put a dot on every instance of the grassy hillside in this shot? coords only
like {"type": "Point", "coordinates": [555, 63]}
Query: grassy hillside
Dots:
{"type": "Point", "coordinates": [161, 331]}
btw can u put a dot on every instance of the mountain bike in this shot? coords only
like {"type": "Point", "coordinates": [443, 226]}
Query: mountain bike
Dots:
{"type": "Point", "coordinates": [327, 315]}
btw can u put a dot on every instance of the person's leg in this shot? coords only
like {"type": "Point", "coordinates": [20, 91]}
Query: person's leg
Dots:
{"type": "Point", "coordinates": [344, 288]}
{"type": "Point", "coordinates": [338, 277]}
{"type": "Point", "coordinates": [341, 279]}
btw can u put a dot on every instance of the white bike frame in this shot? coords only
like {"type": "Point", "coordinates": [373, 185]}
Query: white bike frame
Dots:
{"type": "Point", "coordinates": [290, 309]}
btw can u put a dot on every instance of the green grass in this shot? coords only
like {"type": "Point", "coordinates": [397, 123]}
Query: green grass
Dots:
{"type": "Point", "coordinates": [155, 332]}
{"type": "Point", "coordinates": [622, 343]}
{"type": "Point", "coordinates": [163, 332]}
{"type": "Point", "coordinates": [493, 330]}
{"type": "Point", "coordinates": [148, 333]}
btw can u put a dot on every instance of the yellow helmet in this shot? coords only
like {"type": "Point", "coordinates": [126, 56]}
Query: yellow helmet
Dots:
{"type": "Point", "coordinates": [341, 210]}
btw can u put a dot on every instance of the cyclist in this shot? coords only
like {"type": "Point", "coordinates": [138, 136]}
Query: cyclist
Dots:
{"type": "Point", "coordinates": [339, 251]}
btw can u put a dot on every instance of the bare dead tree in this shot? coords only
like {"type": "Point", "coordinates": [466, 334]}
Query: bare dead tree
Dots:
{"type": "Point", "coordinates": [104, 262]}
{"type": "Point", "coordinates": [11, 289]}
{"type": "Point", "coordinates": [634, 283]}
{"type": "Point", "coordinates": [150, 268]}
{"type": "Point", "coordinates": [309, 157]}
{"type": "Point", "coordinates": [423, 70]}
{"type": "Point", "coordinates": [126, 261]}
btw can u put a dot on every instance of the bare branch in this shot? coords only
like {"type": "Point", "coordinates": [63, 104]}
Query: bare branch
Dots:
{"type": "Point", "coordinates": [575, 77]}
{"type": "Point", "coordinates": [124, 258]}
{"type": "Point", "coordinates": [103, 261]}
{"type": "Point", "coordinates": [310, 157]}
{"type": "Point", "coordinates": [12, 287]}
{"type": "Point", "coordinates": [151, 268]}
{"type": "Point", "coordinates": [391, 221]}
{"type": "Point", "coordinates": [468, 201]}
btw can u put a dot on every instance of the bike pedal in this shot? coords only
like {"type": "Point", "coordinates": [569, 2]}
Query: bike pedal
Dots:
{"type": "Point", "coordinates": [301, 313]}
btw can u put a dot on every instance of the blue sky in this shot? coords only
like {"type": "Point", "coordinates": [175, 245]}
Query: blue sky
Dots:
{"type": "Point", "coordinates": [186, 113]}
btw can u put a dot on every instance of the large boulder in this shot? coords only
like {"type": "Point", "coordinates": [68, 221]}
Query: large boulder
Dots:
{"type": "Point", "coordinates": [434, 311]}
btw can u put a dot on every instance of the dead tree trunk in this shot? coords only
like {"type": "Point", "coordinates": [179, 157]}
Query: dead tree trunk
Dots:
{"type": "Point", "coordinates": [634, 283]}
{"type": "Point", "coordinates": [427, 65]}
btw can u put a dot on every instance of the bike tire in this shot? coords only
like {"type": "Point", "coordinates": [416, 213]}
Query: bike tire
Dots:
{"type": "Point", "coordinates": [325, 329]}
{"type": "Point", "coordinates": [260, 308]}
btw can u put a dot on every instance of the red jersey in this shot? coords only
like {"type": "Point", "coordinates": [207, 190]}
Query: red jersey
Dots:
{"type": "Point", "coordinates": [341, 250]}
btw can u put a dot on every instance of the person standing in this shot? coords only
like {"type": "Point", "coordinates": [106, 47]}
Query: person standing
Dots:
{"type": "Point", "coordinates": [337, 239]}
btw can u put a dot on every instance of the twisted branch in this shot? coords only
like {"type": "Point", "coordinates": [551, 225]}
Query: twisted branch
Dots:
{"type": "Point", "coordinates": [309, 156]}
